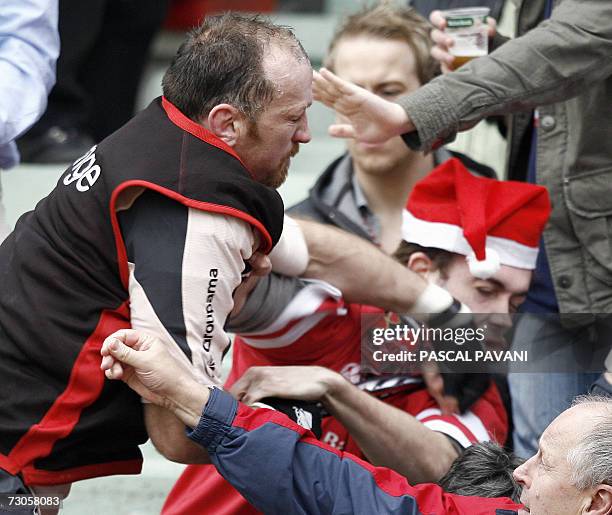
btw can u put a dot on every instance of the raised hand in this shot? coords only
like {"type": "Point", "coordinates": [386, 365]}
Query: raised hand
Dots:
{"type": "Point", "coordinates": [364, 116]}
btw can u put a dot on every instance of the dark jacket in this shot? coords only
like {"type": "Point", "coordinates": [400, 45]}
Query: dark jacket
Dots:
{"type": "Point", "coordinates": [331, 201]}
{"type": "Point", "coordinates": [281, 468]}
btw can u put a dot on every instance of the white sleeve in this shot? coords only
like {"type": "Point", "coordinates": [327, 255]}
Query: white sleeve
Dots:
{"type": "Point", "coordinates": [182, 277]}
{"type": "Point", "coordinates": [290, 255]}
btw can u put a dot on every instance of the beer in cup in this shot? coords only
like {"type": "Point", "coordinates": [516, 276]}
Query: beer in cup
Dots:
{"type": "Point", "coordinates": [470, 32]}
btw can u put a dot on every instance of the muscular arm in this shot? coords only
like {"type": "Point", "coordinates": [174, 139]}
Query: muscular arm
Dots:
{"type": "Point", "coordinates": [388, 436]}
{"type": "Point", "coordinates": [167, 433]}
{"type": "Point", "coordinates": [362, 272]}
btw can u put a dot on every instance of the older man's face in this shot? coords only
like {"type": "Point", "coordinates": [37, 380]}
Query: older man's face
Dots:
{"type": "Point", "coordinates": [270, 143]}
{"type": "Point", "coordinates": [545, 477]}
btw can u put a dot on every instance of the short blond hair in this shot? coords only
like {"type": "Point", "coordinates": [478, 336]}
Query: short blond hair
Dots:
{"type": "Point", "coordinates": [387, 20]}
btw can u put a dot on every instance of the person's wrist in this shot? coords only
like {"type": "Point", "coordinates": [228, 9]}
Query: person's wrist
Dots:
{"type": "Point", "coordinates": [433, 299]}
{"type": "Point", "coordinates": [402, 121]}
{"type": "Point", "coordinates": [335, 385]}
{"type": "Point", "coordinates": [187, 400]}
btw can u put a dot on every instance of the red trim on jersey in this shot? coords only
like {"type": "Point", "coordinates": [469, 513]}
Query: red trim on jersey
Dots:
{"type": "Point", "coordinates": [33, 476]}
{"type": "Point", "coordinates": [196, 204]}
{"type": "Point", "coordinates": [84, 387]}
{"type": "Point", "coordinates": [197, 130]}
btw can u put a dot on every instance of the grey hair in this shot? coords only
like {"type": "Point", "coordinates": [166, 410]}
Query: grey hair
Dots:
{"type": "Point", "coordinates": [590, 460]}
{"type": "Point", "coordinates": [484, 470]}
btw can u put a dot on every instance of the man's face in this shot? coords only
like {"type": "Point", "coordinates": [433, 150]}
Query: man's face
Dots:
{"type": "Point", "coordinates": [386, 67]}
{"type": "Point", "coordinates": [490, 299]}
{"type": "Point", "coordinates": [545, 477]}
{"type": "Point", "coordinates": [269, 143]}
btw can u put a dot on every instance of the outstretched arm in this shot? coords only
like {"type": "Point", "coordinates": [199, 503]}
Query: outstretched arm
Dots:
{"type": "Point", "coordinates": [278, 466]}
{"type": "Point", "coordinates": [338, 257]}
{"type": "Point", "coordinates": [538, 68]}
{"type": "Point", "coordinates": [388, 436]}
{"type": "Point", "coordinates": [29, 46]}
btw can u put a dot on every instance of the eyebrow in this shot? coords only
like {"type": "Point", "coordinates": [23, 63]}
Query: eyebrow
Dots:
{"type": "Point", "coordinates": [296, 108]}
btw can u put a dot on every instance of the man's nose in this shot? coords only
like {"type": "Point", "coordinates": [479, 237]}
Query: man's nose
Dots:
{"type": "Point", "coordinates": [302, 135]}
{"type": "Point", "coordinates": [521, 474]}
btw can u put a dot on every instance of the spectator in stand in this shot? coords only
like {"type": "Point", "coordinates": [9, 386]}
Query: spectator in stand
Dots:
{"type": "Point", "coordinates": [105, 44]}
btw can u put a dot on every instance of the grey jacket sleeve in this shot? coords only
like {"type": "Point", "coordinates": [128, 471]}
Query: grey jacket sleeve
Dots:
{"type": "Point", "coordinates": [555, 61]}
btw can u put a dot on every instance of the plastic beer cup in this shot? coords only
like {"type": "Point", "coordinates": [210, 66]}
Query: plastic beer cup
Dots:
{"type": "Point", "coordinates": [470, 32]}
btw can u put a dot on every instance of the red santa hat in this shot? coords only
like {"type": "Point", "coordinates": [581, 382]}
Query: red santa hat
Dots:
{"type": "Point", "coordinates": [491, 222]}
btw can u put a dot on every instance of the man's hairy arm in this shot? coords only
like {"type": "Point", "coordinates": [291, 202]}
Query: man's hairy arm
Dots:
{"type": "Point", "coordinates": [388, 436]}
{"type": "Point", "coordinates": [354, 265]}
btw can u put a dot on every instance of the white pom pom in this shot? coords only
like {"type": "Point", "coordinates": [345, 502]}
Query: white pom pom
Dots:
{"type": "Point", "coordinates": [486, 268]}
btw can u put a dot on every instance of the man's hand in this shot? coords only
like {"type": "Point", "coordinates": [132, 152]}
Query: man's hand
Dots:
{"type": "Point", "coordinates": [307, 383]}
{"type": "Point", "coordinates": [145, 365]}
{"type": "Point", "coordinates": [443, 41]}
{"type": "Point", "coordinates": [369, 118]}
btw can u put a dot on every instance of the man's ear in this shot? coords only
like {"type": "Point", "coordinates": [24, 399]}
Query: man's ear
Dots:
{"type": "Point", "coordinates": [420, 263]}
{"type": "Point", "coordinates": [227, 123]}
{"type": "Point", "coordinates": [601, 501]}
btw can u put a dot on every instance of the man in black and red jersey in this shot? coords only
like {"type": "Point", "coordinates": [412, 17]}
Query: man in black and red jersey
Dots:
{"type": "Point", "coordinates": [152, 228]}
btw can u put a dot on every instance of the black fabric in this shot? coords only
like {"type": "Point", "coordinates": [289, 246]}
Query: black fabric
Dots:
{"type": "Point", "coordinates": [61, 285]}
{"type": "Point", "coordinates": [295, 410]}
{"type": "Point", "coordinates": [13, 485]}
{"type": "Point", "coordinates": [153, 214]}
{"type": "Point", "coordinates": [601, 387]}
{"type": "Point", "coordinates": [104, 45]}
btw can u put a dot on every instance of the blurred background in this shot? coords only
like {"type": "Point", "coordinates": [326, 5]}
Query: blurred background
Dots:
{"type": "Point", "coordinates": [64, 134]}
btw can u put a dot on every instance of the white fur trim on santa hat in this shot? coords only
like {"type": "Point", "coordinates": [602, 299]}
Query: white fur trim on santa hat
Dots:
{"type": "Point", "coordinates": [485, 268]}
{"type": "Point", "coordinates": [450, 237]}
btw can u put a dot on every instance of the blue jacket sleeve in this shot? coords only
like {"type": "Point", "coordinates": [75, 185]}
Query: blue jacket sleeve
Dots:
{"type": "Point", "coordinates": [280, 468]}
